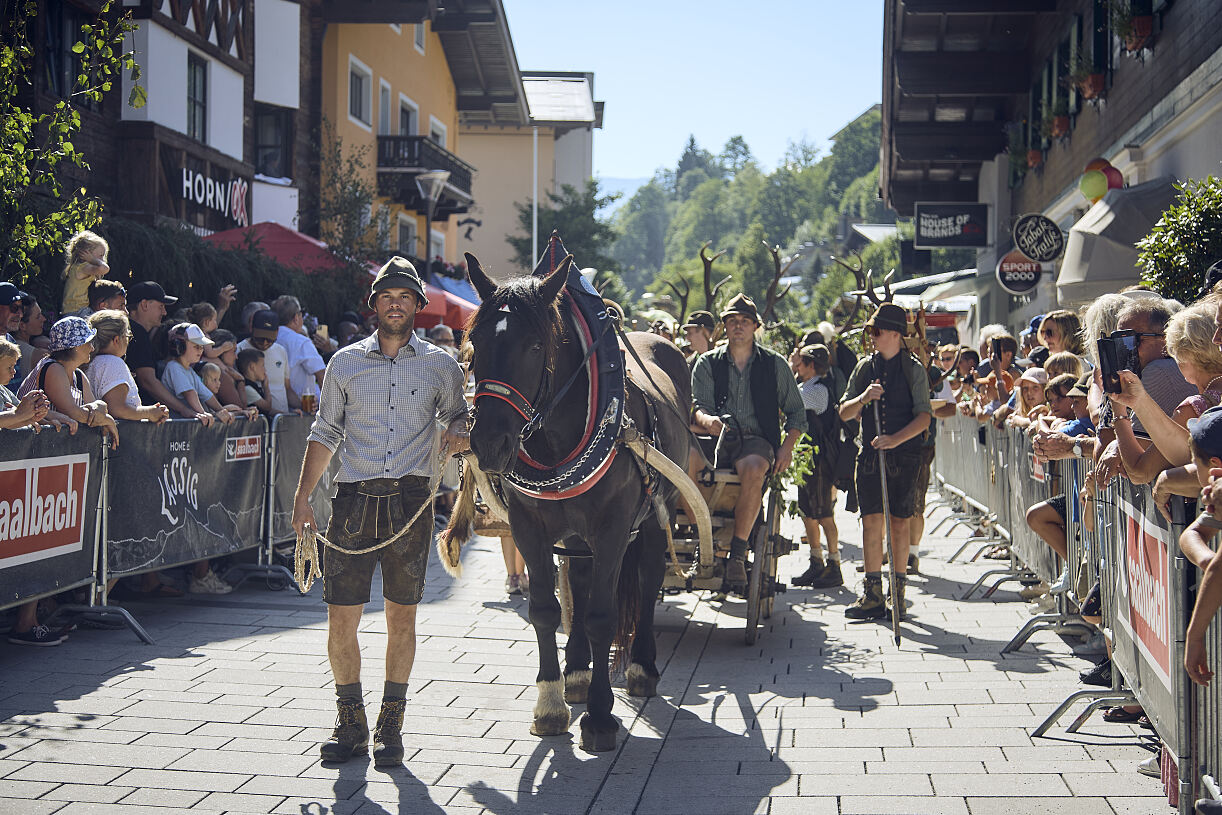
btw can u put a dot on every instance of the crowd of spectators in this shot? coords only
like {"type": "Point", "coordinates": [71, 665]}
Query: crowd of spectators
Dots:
{"type": "Point", "coordinates": [140, 354]}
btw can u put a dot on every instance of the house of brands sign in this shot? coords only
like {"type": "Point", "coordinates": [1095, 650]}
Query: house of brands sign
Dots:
{"type": "Point", "coordinates": [954, 225]}
{"type": "Point", "coordinates": [1039, 238]}
{"type": "Point", "coordinates": [1019, 274]}
{"type": "Point", "coordinates": [42, 508]}
{"type": "Point", "coordinates": [226, 196]}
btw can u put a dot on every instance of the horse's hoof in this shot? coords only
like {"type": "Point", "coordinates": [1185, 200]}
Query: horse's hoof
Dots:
{"type": "Point", "coordinates": [640, 682]}
{"type": "Point", "coordinates": [550, 726]}
{"type": "Point", "coordinates": [577, 687]}
{"type": "Point", "coordinates": [593, 741]}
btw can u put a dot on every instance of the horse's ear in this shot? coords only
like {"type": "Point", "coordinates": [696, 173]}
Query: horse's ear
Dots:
{"type": "Point", "coordinates": [484, 286]}
{"type": "Point", "coordinates": [554, 282]}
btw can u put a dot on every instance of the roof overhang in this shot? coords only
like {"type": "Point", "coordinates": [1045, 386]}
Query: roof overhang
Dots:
{"type": "Point", "coordinates": [954, 71]}
{"type": "Point", "coordinates": [483, 65]}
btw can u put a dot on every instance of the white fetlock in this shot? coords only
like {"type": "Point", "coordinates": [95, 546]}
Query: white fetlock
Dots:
{"type": "Point", "coordinates": [551, 714]}
{"type": "Point", "coordinates": [577, 686]}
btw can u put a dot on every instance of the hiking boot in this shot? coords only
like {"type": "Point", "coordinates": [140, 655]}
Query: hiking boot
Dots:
{"type": "Point", "coordinates": [829, 577]}
{"type": "Point", "coordinates": [870, 605]}
{"type": "Point", "coordinates": [814, 570]}
{"type": "Point", "coordinates": [388, 734]}
{"type": "Point", "coordinates": [736, 571]}
{"type": "Point", "coordinates": [897, 596]}
{"type": "Point", "coordinates": [914, 563]}
{"type": "Point", "coordinates": [351, 735]}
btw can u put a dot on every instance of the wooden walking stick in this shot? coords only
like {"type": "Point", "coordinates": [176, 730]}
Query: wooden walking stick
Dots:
{"type": "Point", "coordinates": [882, 474]}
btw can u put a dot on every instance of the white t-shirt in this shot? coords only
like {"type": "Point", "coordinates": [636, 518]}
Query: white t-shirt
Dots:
{"type": "Point", "coordinates": [276, 361]}
{"type": "Point", "coordinates": [105, 372]}
{"type": "Point", "coordinates": [304, 360]}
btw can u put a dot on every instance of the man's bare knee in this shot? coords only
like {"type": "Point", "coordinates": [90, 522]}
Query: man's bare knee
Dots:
{"type": "Point", "coordinates": [400, 618]}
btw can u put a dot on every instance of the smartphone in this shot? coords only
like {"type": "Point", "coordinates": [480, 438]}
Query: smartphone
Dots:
{"type": "Point", "coordinates": [1116, 354]}
{"type": "Point", "coordinates": [996, 345]}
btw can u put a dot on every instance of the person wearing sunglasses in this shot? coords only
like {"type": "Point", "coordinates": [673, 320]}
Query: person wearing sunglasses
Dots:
{"type": "Point", "coordinates": [264, 328]}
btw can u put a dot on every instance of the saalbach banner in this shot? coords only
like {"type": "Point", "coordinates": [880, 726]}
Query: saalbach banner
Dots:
{"type": "Point", "coordinates": [290, 434]}
{"type": "Point", "coordinates": [180, 492]}
{"type": "Point", "coordinates": [49, 486]}
{"type": "Point", "coordinates": [1147, 634]}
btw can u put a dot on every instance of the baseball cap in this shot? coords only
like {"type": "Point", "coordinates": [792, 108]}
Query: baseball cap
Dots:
{"type": "Point", "coordinates": [265, 325]}
{"type": "Point", "coordinates": [148, 290]}
{"type": "Point", "coordinates": [1033, 327]}
{"type": "Point", "coordinates": [1039, 355]}
{"type": "Point", "coordinates": [1082, 387]}
{"type": "Point", "coordinates": [196, 335]}
{"type": "Point", "coordinates": [10, 294]}
{"type": "Point", "coordinates": [1206, 432]}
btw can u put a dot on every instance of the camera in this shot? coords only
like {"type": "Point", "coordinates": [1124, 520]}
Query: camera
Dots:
{"type": "Point", "coordinates": [1117, 354]}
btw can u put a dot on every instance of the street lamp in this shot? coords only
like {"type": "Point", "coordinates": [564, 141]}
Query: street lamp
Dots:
{"type": "Point", "coordinates": [430, 183]}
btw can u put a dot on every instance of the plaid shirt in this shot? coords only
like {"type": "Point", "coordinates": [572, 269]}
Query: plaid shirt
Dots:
{"type": "Point", "coordinates": [381, 414]}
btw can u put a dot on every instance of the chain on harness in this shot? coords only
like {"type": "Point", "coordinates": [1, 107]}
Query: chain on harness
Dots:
{"type": "Point", "coordinates": [307, 567]}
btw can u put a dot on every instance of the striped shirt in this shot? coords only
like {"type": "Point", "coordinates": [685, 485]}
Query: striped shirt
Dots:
{"type": "Point", "coordinates": [381, 414]}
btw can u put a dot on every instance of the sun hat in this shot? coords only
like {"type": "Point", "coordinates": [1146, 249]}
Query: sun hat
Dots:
{"type": "Point", "coordinates": [398, 273]}
{"type": "Point", "coordinates": [71, 332]}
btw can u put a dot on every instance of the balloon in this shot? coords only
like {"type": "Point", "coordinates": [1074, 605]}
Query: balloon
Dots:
{"type": "Point", "coordinates": [1097, 164]}
{"type": "Point", "coordinates": [1093, 185]}
{"type": "Point", "coordinates": [1115, 179]}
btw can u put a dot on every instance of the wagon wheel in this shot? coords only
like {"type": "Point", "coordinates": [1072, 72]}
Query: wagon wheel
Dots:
{"type": "Point", "coordinates": [773, 523]}
{"type": "Point", "coordinates": [761, 551]}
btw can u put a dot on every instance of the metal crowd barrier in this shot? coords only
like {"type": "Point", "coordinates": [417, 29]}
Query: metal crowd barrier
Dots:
{"type": "Point", "coordinates": [1147, 590]}
{"type": "Point", "coordinates": [75, 514]}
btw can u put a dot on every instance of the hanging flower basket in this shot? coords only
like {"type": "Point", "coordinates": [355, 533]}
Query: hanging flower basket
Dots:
{"type": "Point", "coordinates": [1060, 127]}
{"type": "Point", "coordinates": [1092, 86]}
{"type": "Point", "coordinates": [1034, 158]}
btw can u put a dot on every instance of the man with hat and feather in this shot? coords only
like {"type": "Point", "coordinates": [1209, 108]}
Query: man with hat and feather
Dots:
{"type": "Point", "coordinates": [897, 380]}
{"type": "Point", "coordinates": [750, 387]}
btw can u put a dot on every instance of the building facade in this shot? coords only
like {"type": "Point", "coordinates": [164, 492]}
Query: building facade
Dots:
{"type": "Point", "coordinates": [1005, 103]}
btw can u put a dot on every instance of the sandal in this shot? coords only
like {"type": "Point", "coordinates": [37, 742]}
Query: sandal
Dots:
{"type": "Point", "coordinates": [1118, 715]}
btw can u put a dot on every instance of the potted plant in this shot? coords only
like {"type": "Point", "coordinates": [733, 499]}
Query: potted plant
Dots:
{"type": "Point", "coordinates": [1034, 158]}
{"type": "Point", "coordinates": [1084, 76]}
{"type": "Point", "coordinates": [1132, 28]}
{"type": "Point", "coordinates": [1060, 119]}
{"type": "Point", "coordinates": [1016, 147]}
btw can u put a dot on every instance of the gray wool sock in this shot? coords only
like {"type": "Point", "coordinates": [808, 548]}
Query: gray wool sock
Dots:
{"type": "Point", "coordinates": [875, 577]}
{"type": "Point", "coordinates": [395, 690]}
{"type": "Point", "coordinates": [352, 691]}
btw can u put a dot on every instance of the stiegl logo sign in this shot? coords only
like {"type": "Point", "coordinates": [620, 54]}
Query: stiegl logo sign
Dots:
{"type": "Point", "coordinates": [42, 508]}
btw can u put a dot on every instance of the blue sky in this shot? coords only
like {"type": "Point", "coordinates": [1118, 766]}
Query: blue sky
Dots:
{"type": "Point", "coordinates": [770, 70]}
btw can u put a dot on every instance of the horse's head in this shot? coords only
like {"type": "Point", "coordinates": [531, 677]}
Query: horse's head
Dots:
{"type": "Point", "coordinates": [515, 335]}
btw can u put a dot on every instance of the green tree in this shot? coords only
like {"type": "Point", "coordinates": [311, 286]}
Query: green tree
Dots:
{"type": "Point", "coordinates": [695, 158]}
{"type": "Point", "coordinates": [1186, 241]}
{"type": "Point", "coordinates": [641, 226]}
{"type": "Point", "coordinates": [855, 149]}
{"type": "Point", "coordinates": [735, 155]}
{"type": "Point", "coordinates": [574, 215]}
{"type": "Point", "coordinates": [348, 223]}
{"type": "Point", "coordinates": [37, 212]}
{"type": "Point", "coordinates": [700, 218]}
{"type": "Point", "coordinates": [754, 263]}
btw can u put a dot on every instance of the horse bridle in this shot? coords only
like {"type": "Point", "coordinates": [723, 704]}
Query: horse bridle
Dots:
{"type": "Point", "coordinates": [499, 389]}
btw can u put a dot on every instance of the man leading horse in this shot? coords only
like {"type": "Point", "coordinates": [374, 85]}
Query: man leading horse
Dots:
{"type": "Point", "coordinates": [381, 399]}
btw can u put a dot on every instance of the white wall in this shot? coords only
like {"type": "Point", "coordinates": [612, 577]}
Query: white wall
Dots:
{"type": "Point", "coordinates": [277, 52]}
{"type": "Point", "coordinates": [163, 63]}
{"type": "Point", "coordinates": [574, 158]}
{"type": "Point", "coordinates": [163, 60]}
{"type": "Point", "coordinates": [275, 203]}
{"type": "Point", "coordinates": [226, 111]}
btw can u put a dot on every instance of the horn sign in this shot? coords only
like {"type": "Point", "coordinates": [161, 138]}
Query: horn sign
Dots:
{"type": "Point", "coordinates": [484, 286]}
{"type": "Point", "coordinates": [554, 282]}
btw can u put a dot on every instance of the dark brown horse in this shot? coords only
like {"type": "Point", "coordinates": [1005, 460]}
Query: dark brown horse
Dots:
{"type": "Point", "coordinates": [525, 340]}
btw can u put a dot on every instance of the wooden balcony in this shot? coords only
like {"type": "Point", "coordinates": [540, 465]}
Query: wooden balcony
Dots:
{"type": "Point", "coordinates": [402, 158]}
{"type": "Point", "coordinates": [378, 11]}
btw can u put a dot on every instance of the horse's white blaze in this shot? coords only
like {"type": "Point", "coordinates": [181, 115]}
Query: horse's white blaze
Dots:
{"type": "Point", "coordinates": [550, 703]}
{"type": "Point", "coordinates": [502, 325]}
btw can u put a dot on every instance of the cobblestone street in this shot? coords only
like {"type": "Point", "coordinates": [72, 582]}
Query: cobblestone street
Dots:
{"type": "Point", "coordinates": [224, 714]}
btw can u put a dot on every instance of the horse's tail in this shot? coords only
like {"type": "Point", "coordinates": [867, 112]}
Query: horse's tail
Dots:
{"type": "Point", "coordinates": [458, 530]}
{"type": "Point", "coordinates": [629, 602]}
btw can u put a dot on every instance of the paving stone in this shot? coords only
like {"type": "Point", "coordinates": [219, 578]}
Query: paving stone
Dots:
{"type": "Point", "coordinates": [183, 799]}
{"type": "Point", "coordinates": [19, 806]}
{"type": "Point", "coordinates": [91, 793]}
{"type": "Point", "coordinates": [903, 804]}
{"type": "Point", "coordinates": [111, 755]}
{"type": "Point", "coordinates": [1050, 806]}
{"type": "Point", "coordinates": [1016, 785]}
{"type": "Point", "coordinates": [66, 773]}
{"type": "Point", "coordinates": [181, 780]}
{"type": "Point", "coordinates": [234, 761]}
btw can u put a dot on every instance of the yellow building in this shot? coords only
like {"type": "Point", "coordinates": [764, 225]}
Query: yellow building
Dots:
{"type": "Point", "coordinates": [400, 81]}
{"type": "Point", "coordinates": [552, 145]}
